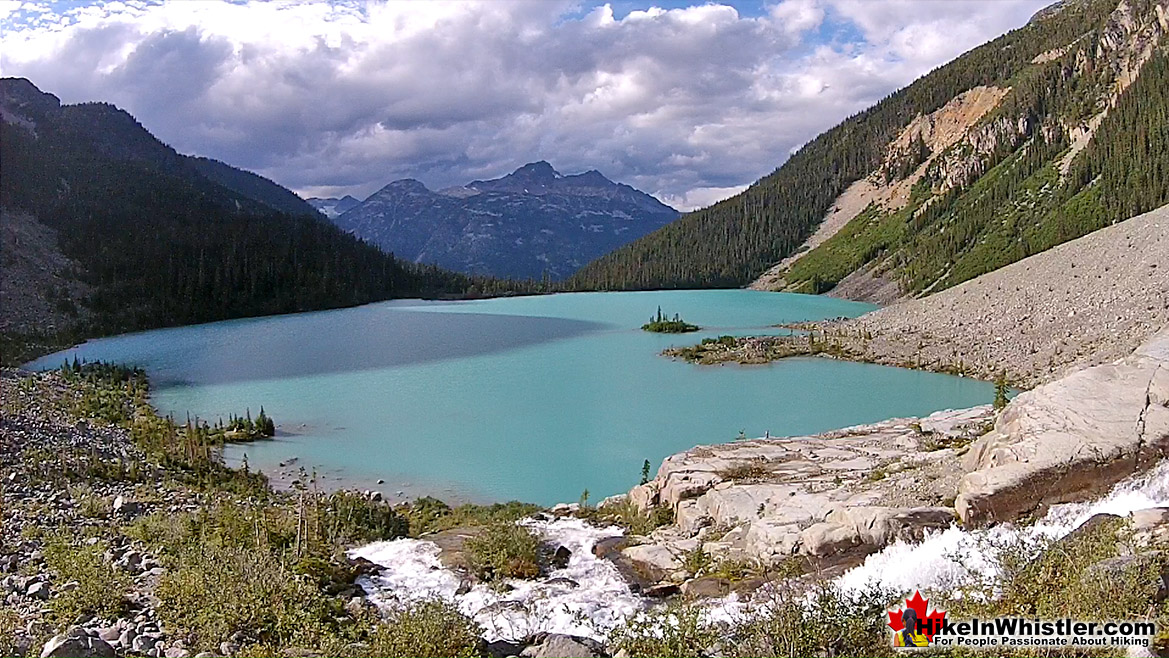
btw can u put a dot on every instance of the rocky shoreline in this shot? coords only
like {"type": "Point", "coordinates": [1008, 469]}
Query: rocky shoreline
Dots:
{"type": "Point", "coordinates": [823, 503]}
{"type": "Point", "coordinates": [44, 447]}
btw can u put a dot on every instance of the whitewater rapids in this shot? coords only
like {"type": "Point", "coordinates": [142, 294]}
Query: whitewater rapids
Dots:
{"type": "Point", "coordinates": [602, 600]}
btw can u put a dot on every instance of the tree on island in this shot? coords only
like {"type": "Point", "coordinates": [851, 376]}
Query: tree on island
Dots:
{"type": "Point", "coordinates": [662, 323]}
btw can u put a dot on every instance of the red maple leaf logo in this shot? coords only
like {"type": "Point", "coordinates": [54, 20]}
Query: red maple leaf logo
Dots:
{"type": "Point", "coordinates": [931, 622]}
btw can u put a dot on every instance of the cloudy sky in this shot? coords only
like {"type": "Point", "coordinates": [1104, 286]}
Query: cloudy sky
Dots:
{"type": "Point", "coordinates": [688, 101]}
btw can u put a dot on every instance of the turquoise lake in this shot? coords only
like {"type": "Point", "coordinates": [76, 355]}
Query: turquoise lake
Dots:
{"type": "Point", "coordinates": [528, 398]}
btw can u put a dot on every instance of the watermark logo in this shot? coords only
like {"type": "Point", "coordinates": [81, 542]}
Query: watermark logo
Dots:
{"type": "Point", "coordinates": [914, 624]}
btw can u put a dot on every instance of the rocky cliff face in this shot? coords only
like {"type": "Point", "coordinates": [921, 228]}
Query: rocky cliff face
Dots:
{"type": "Point", "coordinates": [991, 176]}
{"type": "Point", "coordinates": [531, 223]}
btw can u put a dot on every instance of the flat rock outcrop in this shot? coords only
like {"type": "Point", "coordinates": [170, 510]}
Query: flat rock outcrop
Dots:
{"type": "Point", "coordinates": [834, 497]}
{"type": "Point", "coordinates": [1071, 438]}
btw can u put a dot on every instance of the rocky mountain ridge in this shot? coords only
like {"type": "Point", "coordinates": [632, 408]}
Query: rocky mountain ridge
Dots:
{"type": "Point", "coordinates": [530, 224]}
{"type": "Point", "coordinates": [332, 207]}
{"type": "Point", "coordinates": [1038, 137]}
{"type": "Point", "coordinates": [935, 163]}
{"type": "Point", "coordinates": [116, 231]}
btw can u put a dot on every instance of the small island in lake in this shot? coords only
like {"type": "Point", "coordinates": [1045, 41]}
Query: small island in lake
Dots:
{"type": "Point", "coordinates": [664, 325]}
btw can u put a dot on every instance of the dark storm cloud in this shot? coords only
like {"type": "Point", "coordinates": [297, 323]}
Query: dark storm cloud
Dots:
{"type": "Point", "coordinates": [690, 104]}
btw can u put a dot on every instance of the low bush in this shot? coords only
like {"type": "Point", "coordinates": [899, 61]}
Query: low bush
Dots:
{"type": "Point", "coordinates": [504, 550]}
{"type": "Point", "coordinates": [630, 517]}
{"type": "Point", "coordinates": [101, 588]}
{"type": "Point", "coordinates": [9, 625]}
{"type": "Point", "coordinates": [745, 471]}
{"type": "Point", "coordinates": [823, 622]}
{"type": "Point", "coordinates": [431, 629]}
{"type": "Point", "coordinates": [428, 514]}
{"type": "Point", "coordinates": [676, 630]}
{"type": "Point", "coordinates": [213, 592]}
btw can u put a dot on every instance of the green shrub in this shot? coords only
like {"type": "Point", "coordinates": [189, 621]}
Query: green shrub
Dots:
{"type": "Point", "coordinates": [1001, 388]}
{"type": "Point", "coordinates": [735, 569]}
{"type": "Point", "coordinates": [101, 588]}
{"type": "Point", "coordinates": [630, 517]}
{"type": "Point", "coordinates": [675, 630]}
{"type": "Point", "coordinates": [432, 515]}
{"type": "Point", "coordinates": [696, 561]}
{"type": "Point", "coordinates": [212, 592]}
{"type": "Point", "coordinates": [504, 550]}
{"type": "Point", "coordinates": [427, 629]}
{"type": "Point", "coordinates": [351, 518]}
{"type": "Point", "coordinates": [827, 622]}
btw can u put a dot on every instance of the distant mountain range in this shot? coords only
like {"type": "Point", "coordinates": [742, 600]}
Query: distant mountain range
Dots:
{"type": "Point", "coordinates": [531, 224]}
{"type": "Point", "coordinates": [333, 208]}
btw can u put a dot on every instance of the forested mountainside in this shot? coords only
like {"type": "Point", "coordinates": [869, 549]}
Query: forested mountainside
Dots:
{"type": "Point", "coordinates": [159, 239]}
{"type": "Point", "coordinates": [1049, 132]}
{"type": "Point", "coordinates": [534, 223]}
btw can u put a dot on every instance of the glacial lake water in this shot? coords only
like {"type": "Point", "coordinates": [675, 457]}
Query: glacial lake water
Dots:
{"type": "Point", "coordinates": [527, 398]}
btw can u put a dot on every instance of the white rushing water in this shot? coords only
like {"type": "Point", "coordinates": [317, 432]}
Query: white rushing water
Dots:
{"type": "Point", "coordinates": [602, 600]}
{"type": "Point", "coordinates": [946, 559]}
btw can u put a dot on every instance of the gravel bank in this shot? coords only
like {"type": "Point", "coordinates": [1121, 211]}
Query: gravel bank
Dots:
{"type": "Point", "coordinates": [1085, 302]}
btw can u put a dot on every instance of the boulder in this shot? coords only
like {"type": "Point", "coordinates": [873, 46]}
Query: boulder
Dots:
{"type": "Point", "coordinates": [1150, 518]}
{"type": "Point", "coordinates": [555, 645]}
{"type": "Point", "coordinates": [706, 587]}
{"type": "Point", "coordinates": [127, 508]}
{"type": "Point", "coordinates": [560, 557]}
{"type": "Point", "coordinates": [39, 591]}
{"type": "Point", "coordinates": [661, 591]}
{"type": "Point", "coordinates": [609, 545]}
{"type": "Point", "coordinates": [504, 649]}
{"type": "Point", "coordinates": [77, 645]}
{"type": "Point", "coordinates": [1072, 438]}
{"type": "Point", "coordinates": [143, 643]}
{"type": "Point", "coordinates": [653, 562]}
{"type": "Point", "coordinates": [110, 634]}
{"type": "Point", "coordinates": [1150, 527]}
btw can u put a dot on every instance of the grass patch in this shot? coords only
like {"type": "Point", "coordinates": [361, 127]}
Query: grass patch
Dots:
{"type": "Point", "coordinates": [212, 592]}
{"type": "Point", "coordinates": [628, 516]}
{"type": "Point", "coordinates": [427, 515]}
{"type": "Point", "coordinates": [735, 570]}
{"type": "Point", "coordinates": [745, 471]}
{"type": "Point", "coordinates": [504, 550]}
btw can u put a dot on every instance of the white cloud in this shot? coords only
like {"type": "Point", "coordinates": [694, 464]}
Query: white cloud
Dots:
{"type": "Point", "coordinates": [700, 197]}
{"type": "Point", "coordinates": [693, 103]}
